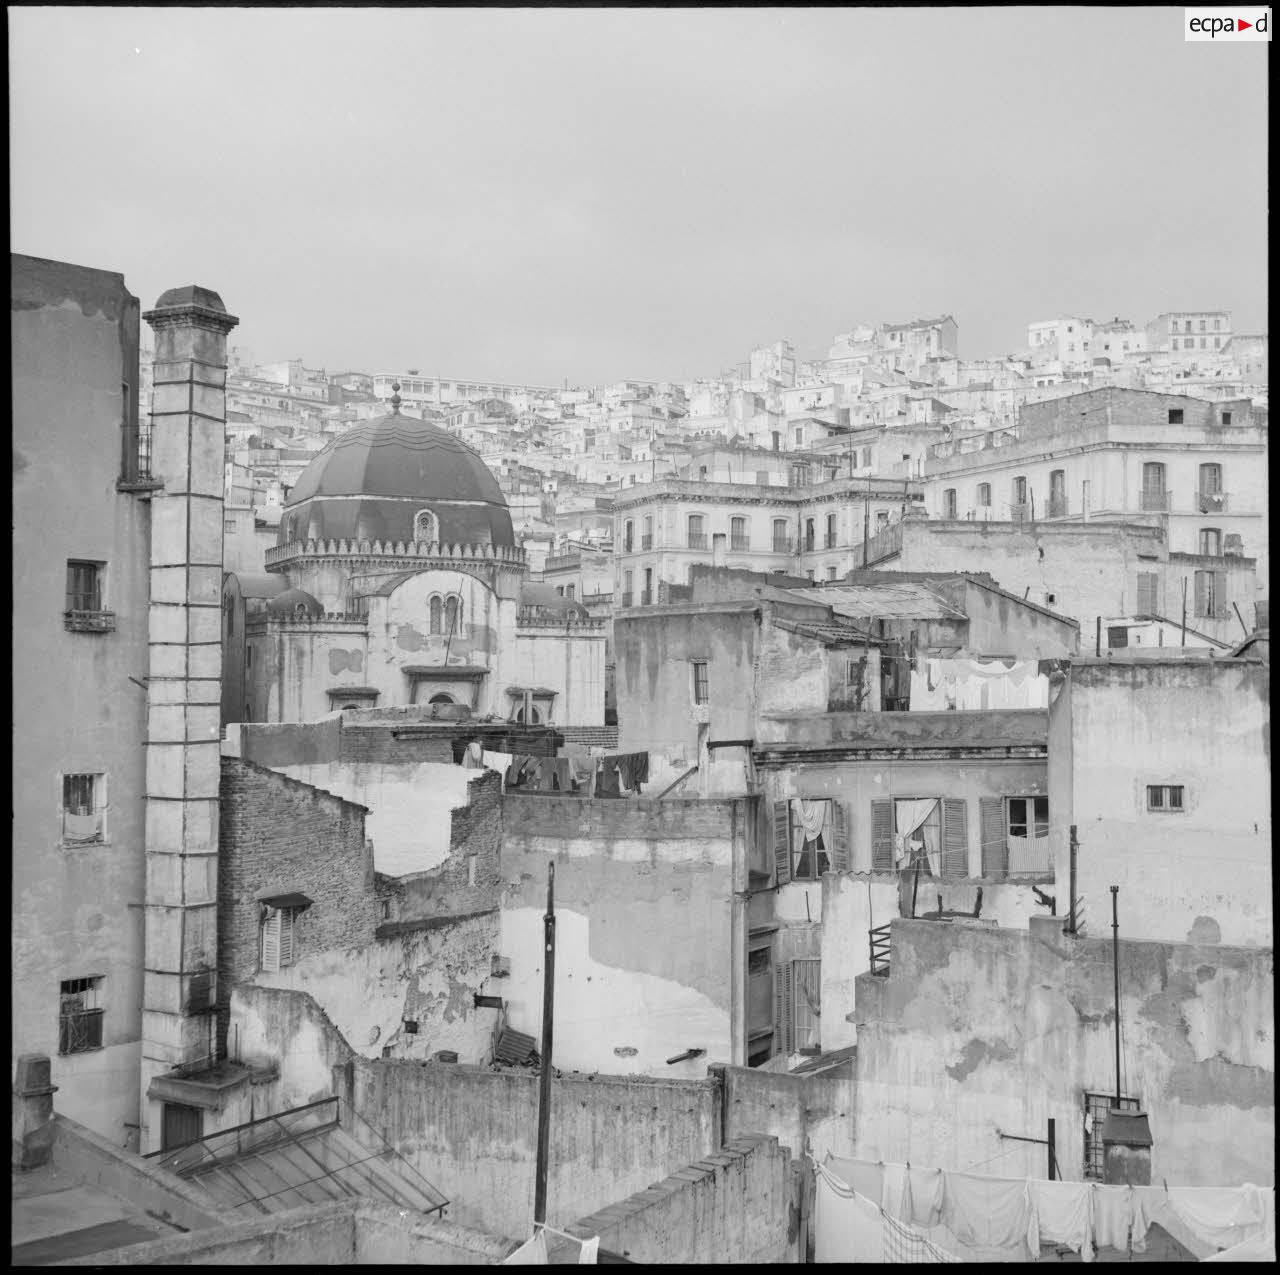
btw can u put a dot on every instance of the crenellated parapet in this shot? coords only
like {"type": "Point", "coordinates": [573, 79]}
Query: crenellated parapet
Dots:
{"type": "Point", "coordinates": [413, 551]}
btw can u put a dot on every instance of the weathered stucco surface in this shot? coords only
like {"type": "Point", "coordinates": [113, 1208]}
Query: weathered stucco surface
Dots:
{"type": "Point", "coordinates": [74, 342]}
{"type": "Point", "coordinates": [429, 977]}
{"type": "Point", "coordinates": [643, 905]}
{"type": "Point", "coordinates": [1184, 877]}
{"type": "Point", "coordinates": [410, 806]}
{"type": "Point", "coordinates": [977, 1030]}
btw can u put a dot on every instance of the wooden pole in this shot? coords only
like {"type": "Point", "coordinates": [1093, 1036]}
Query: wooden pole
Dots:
{"type": "Point", "coordinates": [1184, 610]}
{"type": "Point", "coordinates": [1053, 1159]}
{"type": "Point", "coordinates": [1097, 642]}
{"type": "Point", "coordinates": [1115, 962]}
{"type": "Point", "coordinates": [544, 1080]}
{"type": "Point", "coordinates": [1239, 617]}
{"type": "Point", "coordinates": [1072, 849]}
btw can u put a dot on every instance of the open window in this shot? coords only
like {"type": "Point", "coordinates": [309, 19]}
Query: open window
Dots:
{"type": "Point", "coordinates": [920, 835]}
{"type": "Point", "coordinates": [1015, 837]}
{"type": "Point", "coordinates": [83, 805]}
{"type": "Point", "coordinates": [80, 1014]}
{"type": "Point", "coordinates": [810, 837]}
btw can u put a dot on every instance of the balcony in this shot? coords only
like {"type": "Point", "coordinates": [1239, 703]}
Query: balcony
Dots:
{"type": "Point", "coordinates": [624, 600]}
{"type": "Point", "coordinates": [829, 540]}
{"type": "Point", "coordinates": [646, 542]}
{"type": "Point", "coordinates": [1057, 507]}
{"type": "Point", "coordinates": [89, 621]}
{"type": "Point", "coordinates": [1211, 502]}
{"type": "Point", "coordinates": [739, 544]}
{"type": "Point", "coordinates": [697, 540]}
{"type": "Point", "coordinates": [1019, 512]}
{"type": "Point", "coordinates": [783, 544]}
{"type": "Point", "coordinates": [810, 544]}
{"type": "Point", "coordinates": [1156, 502]}
{"type": "Point", "coordinates": [646, 597]}
{"type": "Point", "coordinates": [884, 544]}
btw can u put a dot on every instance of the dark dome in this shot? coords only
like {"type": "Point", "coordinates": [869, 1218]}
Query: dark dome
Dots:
{"type": "Point", "coordinates": [294, 602]}
{"type": "Point", "coordinates": [371, 482]}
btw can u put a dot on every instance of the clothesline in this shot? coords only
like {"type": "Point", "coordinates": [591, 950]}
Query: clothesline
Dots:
{"type": "Point", "coordinates": [978, 1216]}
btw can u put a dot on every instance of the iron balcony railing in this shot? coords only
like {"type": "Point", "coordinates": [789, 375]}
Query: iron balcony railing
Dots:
{"type": "Point", "coordinates": [880, 951]}
{"type": "Point", "coordinates": [1212, 502]}
{"type": "Point", "coordinates": [624, 599]}
{"type": "Point", "coordinates": [1057, 506]}
{"type": "Point", "coordinates": [739, 544]}
{"type": "Point", "coordinates": [697, 540]}
{"type": "Point", "coordinates": [646, 542]}
{"type": "Point", "coordinates": [646, 597]}
{"type": "Point", "coordinates": [829, 540]}
{"type": "Point", "coordinates": [1155, 502]}
{"type": "Point", "coordinates": [783, 544]}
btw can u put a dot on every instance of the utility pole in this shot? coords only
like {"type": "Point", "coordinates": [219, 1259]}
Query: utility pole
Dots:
{"type": "Point", "coordinates": [1184, 610]}
{"type": "Point", "coordinates": [544, 1080]}
{"type": "Point", "coordinates": [866, 523]}
{"type": "Point", "coordinates": [1073, 849]}
{"type": "Point", "coordinates": [1115, 962]}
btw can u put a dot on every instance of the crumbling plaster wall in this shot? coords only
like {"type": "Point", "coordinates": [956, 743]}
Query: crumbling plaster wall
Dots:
{"type": "Point", "coordinates": [979, 1030]}
{"type": "Point", "coordinates": [644, 950]}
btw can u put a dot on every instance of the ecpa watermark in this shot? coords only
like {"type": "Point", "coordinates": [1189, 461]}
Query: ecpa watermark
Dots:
{"type": "Point", "coordinates": [1229, 24]}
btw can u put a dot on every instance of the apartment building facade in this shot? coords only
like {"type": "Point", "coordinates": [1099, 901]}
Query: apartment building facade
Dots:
{"type": "Point", "coordinates": [1193, 467]}
{"type": "Point", "coordinates": [663, 529]}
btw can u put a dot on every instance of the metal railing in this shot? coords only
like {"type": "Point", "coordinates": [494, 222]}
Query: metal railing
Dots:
{"type": "Point", "coordinates": [783, 544]}
{"type": "Point", "coordinates": [883, 544]}
{"type": "Point", "coordinates": [646, 542]}
{"type": "Point", "coordinates": [739, 544]}
{"type": "Point", "coordinates": [646, 597]}
{"type": "Point", "coordinates": [697, 540]}
{"type": "Point", "coordinates": [624, 599]}
{"type": "Point", "coordinates": [1155, 502]}
{"type": "Point", "coordinates": [829, 540]}
{"type": "Point", "coordinates": [1212, 502]}
{"type": "Point", "coordinates": [256, 1136]}
{"type": "Point", "coordinates": [880, 950]}
{"type": "Point", "coordinates": [1057, 507]}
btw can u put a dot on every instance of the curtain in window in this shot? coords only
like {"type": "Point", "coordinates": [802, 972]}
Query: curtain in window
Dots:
{"type": "Point", "coordinates": [808, 823]}
{"type": "Point", "coordinates": [910, 817]}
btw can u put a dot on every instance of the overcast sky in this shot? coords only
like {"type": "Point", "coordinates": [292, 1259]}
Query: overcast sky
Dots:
{"type": "Point", "coordinates": [544, 195]}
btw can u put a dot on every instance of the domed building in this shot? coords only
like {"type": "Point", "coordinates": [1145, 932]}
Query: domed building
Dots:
{"type": "Point", "coordinates": [400, 583]}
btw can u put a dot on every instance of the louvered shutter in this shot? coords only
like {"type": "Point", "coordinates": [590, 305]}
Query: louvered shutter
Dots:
{"type": "Point", "coordinates": [286, 937]}
{"type": "Point", "coordinates": [840, 858]}
{"type": "Point", "coordinates": [782, 1033]}
{"type": "Point", "coordinates": [781, 842]}
{"type": "Point", "coordinates": [1201, 605]}
{"type": "Point", "coordinates": [995, 838]}
{"type": "Point", "coordinates": [1220, 608]}
{"type": "Point", "coordinates": [1147, 601]}
{"type": "Point", "coordinates": [882, 836]}
{"type": "Point", "coordinates": [955, 837]}
{"type": "Point", "coordinates": [271, 942]}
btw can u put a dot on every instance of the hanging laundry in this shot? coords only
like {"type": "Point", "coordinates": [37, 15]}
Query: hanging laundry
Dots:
{"type": "Point", "coordinates": [1112, 1216]}
{"type": "Point", "coordinates": [848, 1227]}
{"type": "Point", "coordinates": [561, 774]}
{"type": "Point", "coordinates": [864, 1177]}
{"type": "Point", "coordinates": [1064, 1212]}
{"type": "Point", "coordinates": [473, 757]}
{"type": "Point", "coordinates": [992, 1215]}
{"type": "Point", "coordinates": [607, 778]}
{"type": "Point", "coordinates": [633, 769]}
{"type": "Point", "coordinates": [581, 770]}
{"type": "Point", "coordinates": [1225, 1216]}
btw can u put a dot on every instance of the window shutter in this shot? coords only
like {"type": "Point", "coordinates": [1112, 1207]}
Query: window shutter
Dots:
{"type": "Point", "coordinates": [1220, 608]}
{"type": "Point", "coordinates": [1147, 603]}
{"type": "Point", "coordinates": [1201, 581]}
{"type": "Point", "coordinates": [286, 937]}
{"type": "Point", "coordinates": [781, 842]}
{"type": "Point", "coordinates": [271, 942]}
{"type": "Point", "coordinates": [995, 833]}
{"type": "Point", "coordinates": [840, 854]}
{"type": "Point", "coordinates": [955, 837]}
{"type": "Point", "coordinates": [882, 836]}
{"type": "Point", "coordinates": [782, 1008]}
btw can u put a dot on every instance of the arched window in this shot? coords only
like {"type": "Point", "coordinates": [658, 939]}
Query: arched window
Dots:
{"type": "Point", "coordinates": [535, 718]}
{"type": "Point", "coordinates": [441, 698]}
{"type": "Point", "coordinates": [426, 527]}
{"type": "Point", "coordinates": [435, 613]}
{"type": "Point", "coordinates": [452, 613]}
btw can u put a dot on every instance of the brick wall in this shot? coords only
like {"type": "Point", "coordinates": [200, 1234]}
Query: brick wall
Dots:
{"type": "Point", "coordinates": [469, 881]}
{"type": "Point", "coordinates": [734, 1205]}
{"type": "Point", "coordinates": [277, 834]}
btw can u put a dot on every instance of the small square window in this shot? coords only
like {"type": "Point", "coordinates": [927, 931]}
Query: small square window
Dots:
{"type": "Point", "coordinates": [1165, 798]}
{"type": "Point", "coordinates": [1175, 416]}
{"type": "Point", "coordinates": [79, 1014]}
